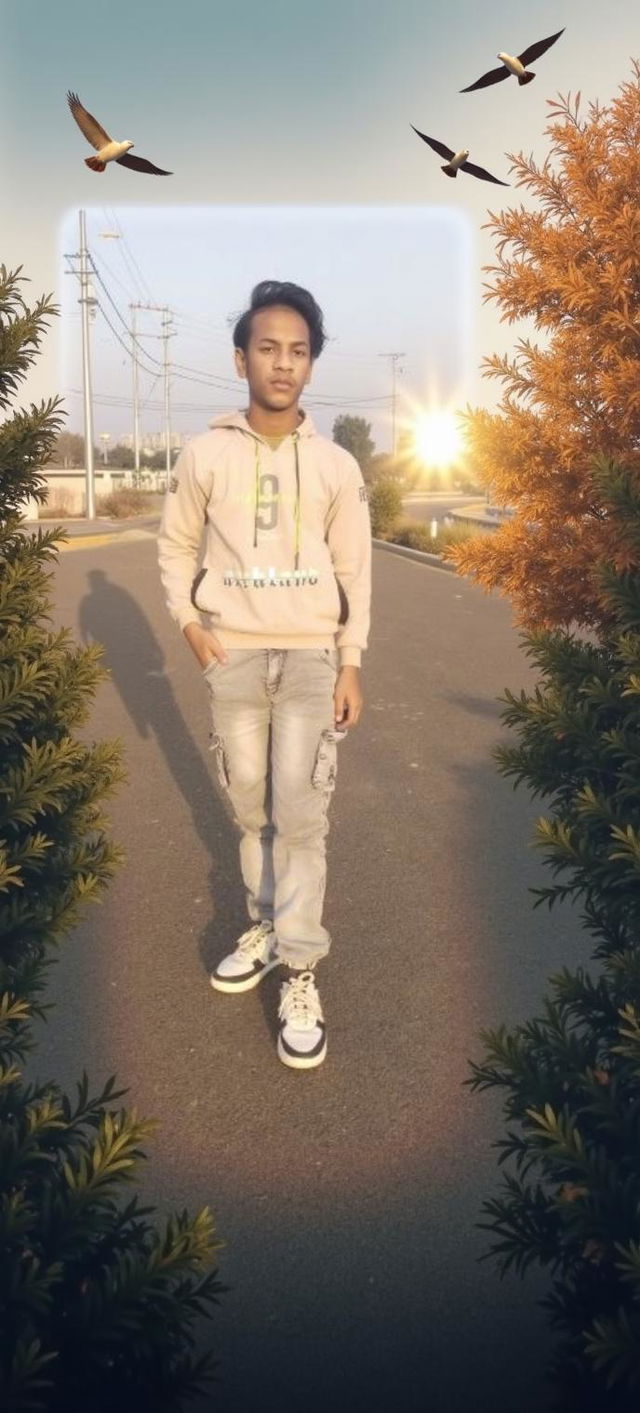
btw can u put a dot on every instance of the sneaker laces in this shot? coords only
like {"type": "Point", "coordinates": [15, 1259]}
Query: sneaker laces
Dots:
{"type": "Point", "coordinates": [252, 942]}
{"type": "Point", "coordinates": [300, 1003]}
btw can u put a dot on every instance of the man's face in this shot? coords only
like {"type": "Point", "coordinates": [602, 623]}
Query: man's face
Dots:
{"type": "Point", "coordinates": [277, 364]}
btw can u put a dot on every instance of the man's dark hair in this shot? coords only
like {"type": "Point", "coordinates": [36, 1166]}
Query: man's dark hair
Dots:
{"type": "Point", "coordinates": [270, 292]}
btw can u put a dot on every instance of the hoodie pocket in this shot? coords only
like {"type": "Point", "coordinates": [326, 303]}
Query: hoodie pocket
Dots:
{"type": "Point", "coordinates": [194, 589]}
{"type": "Point", "coordinates": [344, 603]}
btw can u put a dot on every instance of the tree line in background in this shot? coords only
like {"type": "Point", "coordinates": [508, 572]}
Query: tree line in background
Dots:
{"type": "Point", "coordinates": [406, 468]}
{"type": "Point", "coordinates": [388, 479]}
{"type": "Point", "coordinates": [351, 432]}
{"type": "Point", "coordinates": [67, 453]}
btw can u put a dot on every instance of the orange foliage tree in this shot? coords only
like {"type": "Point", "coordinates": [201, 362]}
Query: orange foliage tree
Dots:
{"type": "Point", "coordinates": [574, 268]}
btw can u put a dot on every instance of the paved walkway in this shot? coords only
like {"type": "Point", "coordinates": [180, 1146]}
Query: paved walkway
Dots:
{"type": "Point", "coordinates": [347, 1197]}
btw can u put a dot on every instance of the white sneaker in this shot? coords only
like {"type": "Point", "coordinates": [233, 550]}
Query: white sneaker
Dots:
{"type": "Point", "coordinates": [302, 1036]}
{"type": "Point", "coordinates": [251, 960]}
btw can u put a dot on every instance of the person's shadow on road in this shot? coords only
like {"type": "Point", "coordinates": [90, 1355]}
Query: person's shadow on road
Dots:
{"type": "Point", "coordinates": [109, 615]}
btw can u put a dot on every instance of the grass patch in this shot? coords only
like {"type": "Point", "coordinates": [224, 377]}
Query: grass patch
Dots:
{"type": "Point", "coordinates": [414, 534]}
{"type": "Point", "coordinates": [119, 505]}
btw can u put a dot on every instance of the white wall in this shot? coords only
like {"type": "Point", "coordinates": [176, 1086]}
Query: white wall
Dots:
{"type": "Point", "coordinates": [67, 489]}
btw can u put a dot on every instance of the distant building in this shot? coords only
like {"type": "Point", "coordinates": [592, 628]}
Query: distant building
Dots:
{"type": "Point", "coordinates": [154, 441]}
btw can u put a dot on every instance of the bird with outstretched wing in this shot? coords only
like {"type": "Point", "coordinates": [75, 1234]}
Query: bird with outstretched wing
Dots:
{"type": "Point", "coordinates": [457, 161]}
{"type": "Point", "coordinates": [107, 149]}
{"type": "Point", "coordinates": [515, 64]}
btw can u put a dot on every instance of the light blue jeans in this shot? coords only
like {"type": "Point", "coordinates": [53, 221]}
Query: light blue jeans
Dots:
{"type": "Point", "coordinates": [275, 743]}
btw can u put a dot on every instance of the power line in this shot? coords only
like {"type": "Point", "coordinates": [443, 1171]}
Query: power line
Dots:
{"type": "Point", "coordinates": [116, 335]}
{"type": "Point", "coordinates": [198, 329]}
{"type": "Point", "coordinates": [112, 400]}
{"type": "Point", "coordinates": [131, 332]}
{"type": "Point", "coordinates": [218, 380]}
{"type": "Point", "coordinates": [147, 400]}
{"type": "Point", "coordinates": [112, 275]}
{"type": "Point", "coordinates": [214, 377]}
{"type": "Point", "coordinates": [131, 257]}
{"type": "Point", "coordinates": [326, 400]}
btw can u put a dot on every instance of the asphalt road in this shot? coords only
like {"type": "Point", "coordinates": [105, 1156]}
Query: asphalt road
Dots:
{"type": "Point", "coordinates": [346, 1197]}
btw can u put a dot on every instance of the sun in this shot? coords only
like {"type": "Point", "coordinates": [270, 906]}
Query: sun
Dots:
{"type": "Point", "coordinates": [437, 439]}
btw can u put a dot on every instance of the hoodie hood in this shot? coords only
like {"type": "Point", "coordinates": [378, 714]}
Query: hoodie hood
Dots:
{"type": "Point", "coordinates": [238, 421]}
{"type": "Point", "coordinates": [306, 427]}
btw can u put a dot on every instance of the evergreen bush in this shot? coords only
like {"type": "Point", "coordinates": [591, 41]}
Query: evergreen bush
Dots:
{"type": "Point", "coordinates": [385, 505]}
{"type": "Point", "coordinates": [413, 534]}
{"type": "Point", "coordinates": [125, 503]}
{"type": "Point", "coordinates": [570, 1078]}
{"type": "Point", "coordinates": [97, 1307]}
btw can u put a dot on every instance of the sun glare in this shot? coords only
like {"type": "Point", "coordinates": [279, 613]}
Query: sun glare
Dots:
{"type": "Point", "coordinates": [437, 439]}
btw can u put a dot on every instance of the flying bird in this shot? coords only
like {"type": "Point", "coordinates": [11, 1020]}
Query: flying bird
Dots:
{"type": "Point", "coordinates": [107, 149]}
{"type": "Point", "coordinates": [458, 161]}
{"type": "Point", "coordinates": [515, 66]}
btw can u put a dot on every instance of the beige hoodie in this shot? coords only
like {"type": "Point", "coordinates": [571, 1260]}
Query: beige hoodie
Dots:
{"type": "Point", "coordinates": [295, 520]}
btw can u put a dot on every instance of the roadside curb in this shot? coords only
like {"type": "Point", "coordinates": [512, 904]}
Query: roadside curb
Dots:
{"type": "Point", "coordinates": [84, 542]}
{"type": "Point", "coordinates": [423, 555]}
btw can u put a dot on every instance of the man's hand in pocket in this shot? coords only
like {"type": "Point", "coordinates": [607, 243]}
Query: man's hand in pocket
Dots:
{"type": "Point", "coordinates": [204, 644]}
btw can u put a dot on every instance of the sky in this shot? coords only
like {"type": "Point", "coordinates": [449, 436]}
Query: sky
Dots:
{"type": "Point", "coordinates": [421, 304]}
{"type": "Point", "coordinates": [287, 129]}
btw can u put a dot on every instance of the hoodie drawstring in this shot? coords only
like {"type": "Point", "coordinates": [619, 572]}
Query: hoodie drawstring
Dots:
{"type": "Point", "coordinates": [295, 436]}
{"type": "Point", "coordinates": [255, 518]}
{"type": "Point", "coordinates": [295, 444]}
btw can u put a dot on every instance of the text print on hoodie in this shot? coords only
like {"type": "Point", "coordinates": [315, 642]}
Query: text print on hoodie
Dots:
{"type": "Point", "coordinates": [287, 550]}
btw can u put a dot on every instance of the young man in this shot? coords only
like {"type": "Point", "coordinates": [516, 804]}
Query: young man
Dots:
{"type": "Point", "coordinates": [278, 617]}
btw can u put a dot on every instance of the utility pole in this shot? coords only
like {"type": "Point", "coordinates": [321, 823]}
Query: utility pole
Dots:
{"type": "Point", "coordinates": [167, 408]}
{"type": "Point", "coordinates": [165, 336]}
{"type": "Point", "coordinates": [394, 359]}
{"type": "Point", "coordinates": [87, 302]}
{"type": "Point", "coordinates": [136, 407]}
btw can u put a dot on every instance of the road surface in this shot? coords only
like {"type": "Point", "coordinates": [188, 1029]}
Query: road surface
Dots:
{"type": "Point", "coordinates": [347, 1196]}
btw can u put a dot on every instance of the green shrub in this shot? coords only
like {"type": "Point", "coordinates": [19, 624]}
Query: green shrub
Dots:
{"type": "Point", "coordinates": [413, 534]}
{"type": "Point", "coordinates": [96, 1305]}
{"type": "Point", "coordinates": [416, 534]}
{"type": "Point", "coordinates": [570, 1078]}
{"type": "Point", "coordinates": [125, 502]}
{"type": "Point", "coordinates": [385, 505]}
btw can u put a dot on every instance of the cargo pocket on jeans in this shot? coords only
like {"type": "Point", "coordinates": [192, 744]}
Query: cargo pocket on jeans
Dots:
{"type": "Point", "coordinates": [222, 767]}
{"type": "Point", "coordinates": [324, 768]}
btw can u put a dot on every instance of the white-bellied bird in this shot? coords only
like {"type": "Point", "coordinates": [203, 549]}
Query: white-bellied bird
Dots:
{"type": "Point", "coordinates": [515, 66]}
{"type": "Point", "coordinates": [457, 161]}
{"type": "Point", "coordinates": [107, 149]}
